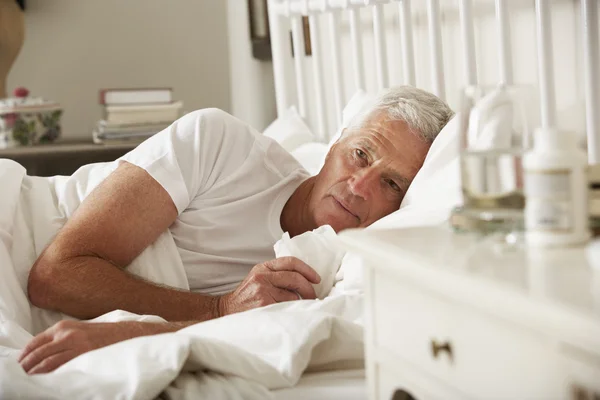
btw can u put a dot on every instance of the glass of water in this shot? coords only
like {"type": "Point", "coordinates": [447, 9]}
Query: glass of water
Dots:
{"type": "Point", "coordinates": [495, 132]}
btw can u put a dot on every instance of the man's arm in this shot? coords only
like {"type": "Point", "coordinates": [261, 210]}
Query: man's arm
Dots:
{"type": "Point", "coordinates": [81, 272]}
{"type": "Point", "coordinates": [69, 339]}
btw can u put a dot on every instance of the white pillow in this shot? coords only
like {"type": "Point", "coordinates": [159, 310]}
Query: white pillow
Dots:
{"type": "Point", "coordinates": [289, 130]}
{"type": "Point", "coordinates": [311, 156]}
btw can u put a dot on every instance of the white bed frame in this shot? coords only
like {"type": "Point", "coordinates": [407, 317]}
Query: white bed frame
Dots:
{"type": "Point", "coordinates": [317, 89]}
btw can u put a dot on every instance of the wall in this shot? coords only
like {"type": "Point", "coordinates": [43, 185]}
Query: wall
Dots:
{"type": "Point", "coordinates": [252, 86]}
{"type": "Point", "coordinates": [75, 47]}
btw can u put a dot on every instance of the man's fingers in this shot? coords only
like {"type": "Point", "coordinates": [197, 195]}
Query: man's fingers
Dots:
{"type": "Point", "coordinates": [293, 281]}
{"type": "Point", "coordinates": [52, 362]}
{"type": "Point", "coordinates": [41, 353]}
{"type": "Point", "coordinates": [294, 264]}
{"type": "Point", "coordinates": [35, 343]}
{"type": "Point", "coordinates": [281, 295]}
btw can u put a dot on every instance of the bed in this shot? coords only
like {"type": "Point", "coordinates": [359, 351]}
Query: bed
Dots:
{"type": "Point", "coordinates": [334, 385]}
{"type": "Point", "coordinates": [357, 47]}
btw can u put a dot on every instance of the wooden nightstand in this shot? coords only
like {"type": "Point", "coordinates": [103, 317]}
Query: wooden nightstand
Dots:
{"type": "Point", "coordinates": [63, 158]}
{"type": "Point", "coordinates": [454, 316]}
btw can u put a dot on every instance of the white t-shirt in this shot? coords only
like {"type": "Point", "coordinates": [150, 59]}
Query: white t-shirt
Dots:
{"type": "Point", "coordinates": [229, 184]}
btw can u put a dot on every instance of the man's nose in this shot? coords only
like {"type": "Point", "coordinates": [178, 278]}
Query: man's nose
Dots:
{"type": "Point", "coordinates": [363, 182]}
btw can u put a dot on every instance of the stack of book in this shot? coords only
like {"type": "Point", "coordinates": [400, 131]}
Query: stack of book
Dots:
{"type": "Point", "coordinates": [133, 115]}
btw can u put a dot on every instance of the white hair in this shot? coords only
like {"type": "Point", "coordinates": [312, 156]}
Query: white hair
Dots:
{"type": "Point", "coordinates": [424, 113]}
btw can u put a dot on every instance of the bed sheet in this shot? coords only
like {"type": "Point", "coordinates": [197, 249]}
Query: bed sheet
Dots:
{"type": "Point", "coordinates": [330, 385]}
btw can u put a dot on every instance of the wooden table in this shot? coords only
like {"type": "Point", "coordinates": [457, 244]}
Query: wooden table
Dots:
{"type": "Point", "coordinates": [63, 158]}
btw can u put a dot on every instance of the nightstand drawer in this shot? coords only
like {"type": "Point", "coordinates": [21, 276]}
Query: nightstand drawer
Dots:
{"type": "Point", "coordinates": [398, 380]}
{"type": "Point", "coordinates": [483, 356]}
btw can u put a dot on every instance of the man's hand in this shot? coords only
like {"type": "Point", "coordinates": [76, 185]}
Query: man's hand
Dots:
{"type": "Point", "coordinates": [282, 279]}
{"type": "Point", "coordinates": [68, 339]}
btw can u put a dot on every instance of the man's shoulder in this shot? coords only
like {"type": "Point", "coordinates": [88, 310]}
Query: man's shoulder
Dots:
{"type": "Point", "coordinates": [213, 114]}
{"type": "Point", "coordinates": [217, 130]}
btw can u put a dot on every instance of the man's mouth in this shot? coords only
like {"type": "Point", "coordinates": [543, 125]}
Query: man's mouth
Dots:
{"type": "Point", "coordinates": [345, 207]}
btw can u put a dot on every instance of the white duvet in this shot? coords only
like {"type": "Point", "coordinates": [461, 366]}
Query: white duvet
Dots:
{"type": "Point", "coordinates": [241, 356]}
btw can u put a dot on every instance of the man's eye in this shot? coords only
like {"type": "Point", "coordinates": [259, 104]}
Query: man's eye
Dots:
{"type": "Point", "coordinates": [360, 154]}
{"type": "Point", "coordinates": [394, 185]}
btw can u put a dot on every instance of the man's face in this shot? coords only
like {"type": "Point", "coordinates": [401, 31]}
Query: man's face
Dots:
{"type": "Point", "coordinates": [366, 174]}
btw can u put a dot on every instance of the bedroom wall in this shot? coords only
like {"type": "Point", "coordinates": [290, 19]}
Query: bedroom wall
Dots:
{"type": "Point", "coordinates": [73, 48]}
{"type": "Point", "coordinates": [567, 52]}
{"type": "Point", "coordinates": [252, 87]}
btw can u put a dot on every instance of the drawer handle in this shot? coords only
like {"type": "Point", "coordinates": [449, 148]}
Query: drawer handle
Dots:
{"type": "Point", "coordinates": [438, 348]}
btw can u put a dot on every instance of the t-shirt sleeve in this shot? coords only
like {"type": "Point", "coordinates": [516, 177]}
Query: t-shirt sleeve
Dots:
{"type": "Point", "coordinates": [194, 153]}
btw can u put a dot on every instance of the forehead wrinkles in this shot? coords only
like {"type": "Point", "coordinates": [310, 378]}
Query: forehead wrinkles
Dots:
{"type": "Point", "coordinates": [382, 130]}
{"type": "Point", "coordinates": [379, 144]}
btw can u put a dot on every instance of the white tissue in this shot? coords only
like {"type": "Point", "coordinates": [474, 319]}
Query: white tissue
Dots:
{"type": "Point", "coordinates": [317, 249]}
{"type": "Point", "coordinates": [350, 277]}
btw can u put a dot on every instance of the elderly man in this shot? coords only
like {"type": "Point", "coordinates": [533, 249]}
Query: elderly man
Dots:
{"type": "Point", "coordinates": [226, 194]}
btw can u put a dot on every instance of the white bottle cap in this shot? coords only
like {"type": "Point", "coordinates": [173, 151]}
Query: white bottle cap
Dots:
{"type": "Point", "coordinates": [551, 139]}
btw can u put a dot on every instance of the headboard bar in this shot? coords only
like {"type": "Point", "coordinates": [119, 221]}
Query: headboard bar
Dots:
{"type": "Point", "coordinates": [337, 71]}
{"type": "Point", "coordinates": [504, 46]}
{"type": "Point", "coordinates": [318, 72]}
{"type": "Point", "coordinates": [589, 16]}
{"type": "Point", "coordinates": [406, 38]}
{"type": "Point", "coordinates": [357, 50]}
{"type": "Point", "coordinates": [282, 63]}
{"type": "Point", "coordinates": [468, 38]}
{"type": "Point", "coordinates": [435, 48]}
{"type": "Point", "coordinates": [545, 64]}
{"type": "Point", "coordinates": [298, 45]}
{"type": "Point", "coordinates": [381, 63]}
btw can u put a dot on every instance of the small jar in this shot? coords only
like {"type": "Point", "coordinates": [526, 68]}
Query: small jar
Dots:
{"type": "Point", "coordinates": [26, 121]}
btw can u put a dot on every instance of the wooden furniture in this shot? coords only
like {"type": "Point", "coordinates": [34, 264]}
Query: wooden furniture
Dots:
{"type": "Point", "coordinates": [455, 316]}
{"type": "Point", "coordinates": [63, 158]}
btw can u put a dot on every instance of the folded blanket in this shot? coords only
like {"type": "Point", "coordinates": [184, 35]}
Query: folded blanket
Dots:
{"type": "Point", "coordinates": [241, 356]}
